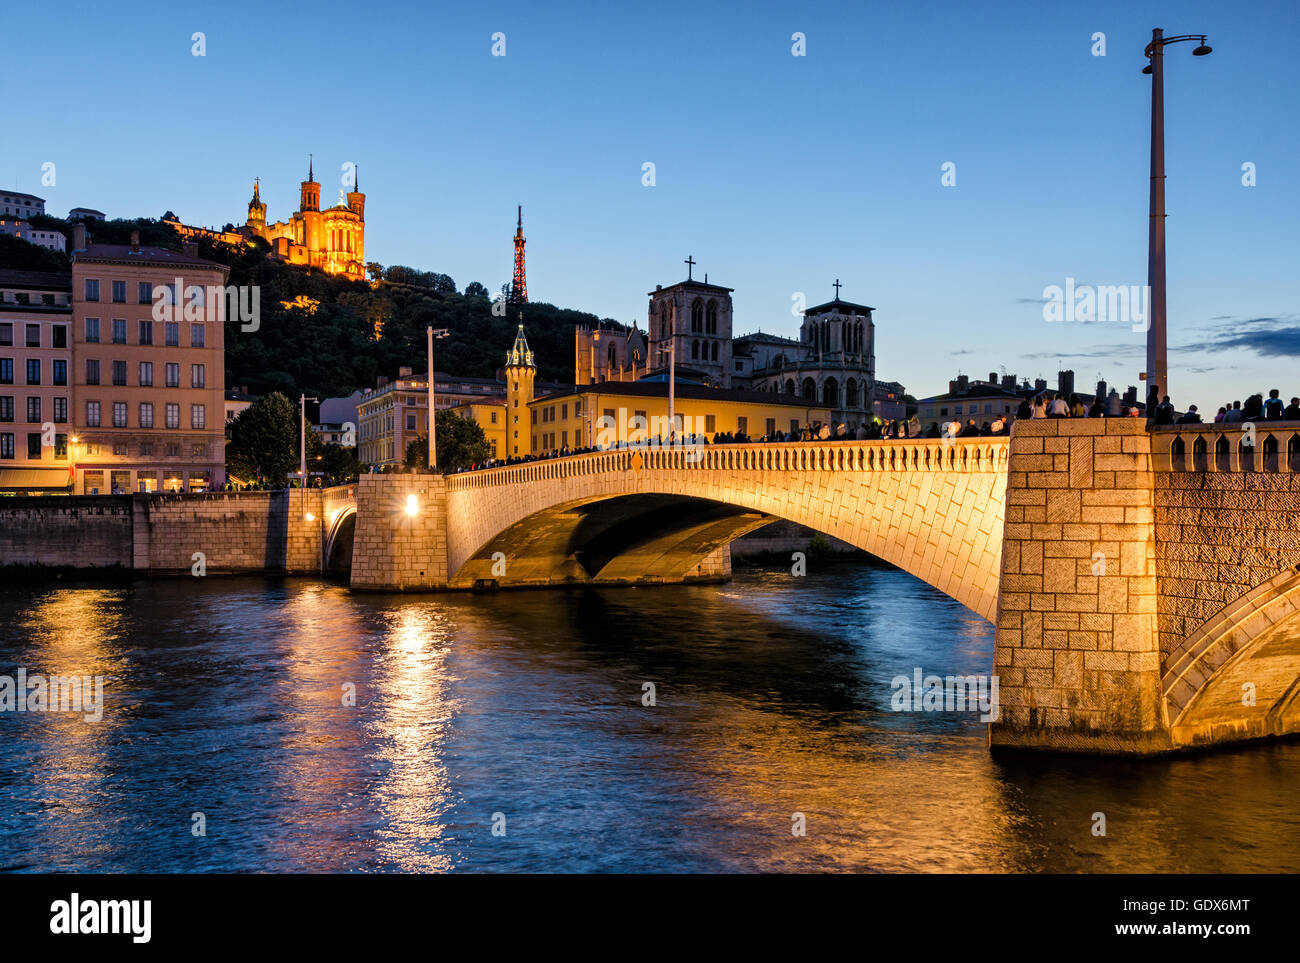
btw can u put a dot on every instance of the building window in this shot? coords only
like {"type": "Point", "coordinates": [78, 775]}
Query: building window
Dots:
{"type": "Point", "coordinates": [92, 414]}
{"type": "Point", "coordinates": [33, 409]}
{"type": "Point", "coordinates": [742, 425]}
{"type": "Point", "coordinates": [92, 330]}
{"type": "Point", "coordinates": [7, 444]}
{"type": "Point", "coordinates": [119, 373]}
{"type": "Point", "coordinates": [34, 446]}
{"type": "Point", "coordinates": [173, 371]}
{"type": "Point", "coordinates": [145, 333]}
{"type": "Point", "coordinates": [146, 374]}
{"type": "Point", "coordinates": [173, 416]}
{"type": "Point", "coordinates": [410, 422]}
{"type": "Point", "coordinates": [119, 414]}
{"type": "Point", "coordinates": [61, 411]}
{"type": "Point", "coordinates": [92, 289]}
{"type": "Point", "coordinates": [119, 292]}
{"type": "Point", "coordinates": [196, 336]}
{"type": "Point", "coordinates": [60, 446]}
{"type": "Point", "coordinates": [59, 334]}
{"type": "Point", "coordinates": [146, 415]}
{"type": "Point", "coordinates": [92, 371]}
{"type": "Point", "coordinates": [710, 424]}
{"type": "Point", "coordinates": [173, 334]}
{"type": "Point", "coordinates": [6, 334]}
{"type": "Point", "coordinates": [119, 331]}
{"type": "Point", "coordinates": [770, 426]}
{"type": "Point", "coordinates": [6, 407]}
{"type": "Point", "coordinates": [198, 376]}
{"type": "Point", "coordinates": [33, 335]}
{"type": "Point", "coordinates": [198, 416]}
{"type": "Point", "coordinates": [33, 371]}
{"type": "Point", "coordinates": [144, 293]}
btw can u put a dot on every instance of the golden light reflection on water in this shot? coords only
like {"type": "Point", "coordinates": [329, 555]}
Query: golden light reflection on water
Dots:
{"type": "Point", "coordinates": [411, 726]}
{"type": "Point", "coordinates": [72, 632]}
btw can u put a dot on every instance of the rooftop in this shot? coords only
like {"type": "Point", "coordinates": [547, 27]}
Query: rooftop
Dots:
{"type": "Point", "coordinates": [647, 389]}
{"type": "Point", "coordinates": [142, 255]}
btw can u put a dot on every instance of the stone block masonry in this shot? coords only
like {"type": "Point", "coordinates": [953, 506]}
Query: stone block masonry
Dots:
{"type": "Point", "coordinates": [1077, 648]}
{"type": "Point", "coordinates": [395, 549]}
{"type": "Point", "coordinates": [158, 533]}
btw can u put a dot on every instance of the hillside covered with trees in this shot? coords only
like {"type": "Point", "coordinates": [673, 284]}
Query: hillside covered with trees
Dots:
{"type": "Point", "coordinates": [354, 331]}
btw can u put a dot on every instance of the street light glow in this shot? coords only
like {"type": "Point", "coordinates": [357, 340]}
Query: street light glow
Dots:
{"type": "Point", "coordinates": [411, 506]}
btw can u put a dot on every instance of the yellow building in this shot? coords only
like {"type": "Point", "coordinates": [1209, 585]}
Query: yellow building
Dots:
{"type": "Point", "coordinates": [491, 417]}
{"type": "Point", "coordinates": [333, 240]}
{"type": "Point", "coordinates": [623, 412]}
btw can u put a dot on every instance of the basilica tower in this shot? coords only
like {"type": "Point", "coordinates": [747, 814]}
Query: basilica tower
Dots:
{"type": "Point", "coordinates": [357, 200]}
{"type": "Point", "coordinates": [310, 190]}
{"type": "Point", "coordinates": [257, 212]}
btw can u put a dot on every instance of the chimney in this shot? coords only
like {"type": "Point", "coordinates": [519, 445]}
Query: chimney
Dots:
{"type": "Point", "coordinates": [1040, 384]}
{"type": "Point", "coordinates": [381, 381]}
{"type": "Point", "coordinates": [1101, 389]}
{"type": "Point", "coordinates": [190, 248]}
{"type": "Point", "coordinates": [963, 382]}
{"type": "Point", "coordinates": [404, 371]}
{"type": "Point", "coordinates": [78, 237]}
{"type": "Point", "coordinates": [993, 377]}
{"type": "Point", "coordinates": [135, 242]}
{"type": "Point", "coordinates": [1065, 382]}
{"type": "Point", "coordinates": [1131, 395]}
{"type": "Point", "coordinates": [1009, 382]}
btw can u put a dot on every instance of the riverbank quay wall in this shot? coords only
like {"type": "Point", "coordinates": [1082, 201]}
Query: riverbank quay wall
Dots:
{"type": "Point", "coordinates": [154, 533]}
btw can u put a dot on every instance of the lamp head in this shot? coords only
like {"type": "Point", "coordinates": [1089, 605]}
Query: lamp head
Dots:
{"type": "Point", "coordinates": [1202, 50]}
{"type": "Point", "coordinates": [1147, 68]}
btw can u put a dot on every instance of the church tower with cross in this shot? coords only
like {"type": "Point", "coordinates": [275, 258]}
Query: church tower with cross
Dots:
{"type": "Point", "coordinates": [692, 320]}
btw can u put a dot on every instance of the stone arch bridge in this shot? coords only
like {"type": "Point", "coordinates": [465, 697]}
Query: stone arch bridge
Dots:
{"type": "Point", "coordinates": [1146, 594]}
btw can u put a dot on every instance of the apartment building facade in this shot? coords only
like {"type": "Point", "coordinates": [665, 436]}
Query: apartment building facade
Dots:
{"type": "Point", "coordinates": [35, 383]}
{"type": "Point", "coordinates": [148, 339]}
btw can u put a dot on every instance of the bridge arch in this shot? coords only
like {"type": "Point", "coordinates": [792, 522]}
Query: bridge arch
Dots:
{"type": "Point", "coordinates": [1238, 676]}
{"type": "Point", "coordinates": [942, 523]}
{"type": "Point", "coordinates": [339, 534]}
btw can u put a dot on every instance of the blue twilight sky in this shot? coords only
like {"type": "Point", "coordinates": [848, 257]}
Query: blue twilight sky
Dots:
{"type": "Point", "coordinates": [777, 173]}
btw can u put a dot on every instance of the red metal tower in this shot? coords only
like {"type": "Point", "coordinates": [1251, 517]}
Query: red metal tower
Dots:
{"type": "Point", "coordinates": [519, 286]}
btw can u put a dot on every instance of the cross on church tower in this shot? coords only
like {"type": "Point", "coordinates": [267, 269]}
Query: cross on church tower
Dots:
{"type": "Point", "coordinates": [690, 264]}
{"type": "Point", "coordinates": [837, 289]}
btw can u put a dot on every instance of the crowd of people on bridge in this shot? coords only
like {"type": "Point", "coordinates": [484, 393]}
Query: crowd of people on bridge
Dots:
{"type": "Point", "coordinates": [1047, 404]}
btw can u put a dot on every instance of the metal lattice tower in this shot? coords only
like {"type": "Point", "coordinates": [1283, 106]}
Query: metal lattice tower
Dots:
{"type": "Point", "coordinates": [519, 286]}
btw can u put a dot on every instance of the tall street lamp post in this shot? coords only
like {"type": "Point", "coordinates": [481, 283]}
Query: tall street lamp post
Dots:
{"type": "Point", "coordinates": [1157, 373]}
{"type": "Point", "coordinates": [302, 445]}
{"type": "Point", "coordinates": [433, 441]}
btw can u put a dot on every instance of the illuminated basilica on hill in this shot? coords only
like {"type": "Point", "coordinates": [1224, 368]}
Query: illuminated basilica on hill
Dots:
{"type": "Point", "coordinates": [332, 240]}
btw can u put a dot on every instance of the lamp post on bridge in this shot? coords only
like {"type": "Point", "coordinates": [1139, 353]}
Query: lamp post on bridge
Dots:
{"type": "Point", "coordinates": [1157, 373]}
{"type": "Point", "coordinates": [433, 442]}
{"type": "Point", "coordinates": [302, 446]}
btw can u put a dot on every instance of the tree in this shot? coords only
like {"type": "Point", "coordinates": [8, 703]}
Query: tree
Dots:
{"type": "Point", "coordinates": [264, 440]}
{"type": "Point", "coordinates": [475, 290]}
{"type": "Point", "coordinates": [338, 463]}
{"type": "Point", "coordinates": [442, 283]}
{"type": "Point", "coordinates": [375, 270]}
{"type": "Point", "coordinates": [461, 443]}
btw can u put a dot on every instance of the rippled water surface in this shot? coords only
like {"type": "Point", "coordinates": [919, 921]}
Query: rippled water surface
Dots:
{"type": "Point", "coordinates": [226, 697]}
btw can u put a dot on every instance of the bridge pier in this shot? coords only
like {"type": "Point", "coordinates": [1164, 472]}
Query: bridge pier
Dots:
{"type": "Point", "coordinates": [1077, 646]}
{"type": "Point", "coordinates": [401, 533]}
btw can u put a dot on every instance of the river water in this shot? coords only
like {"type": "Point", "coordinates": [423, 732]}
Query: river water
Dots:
{"type": "Point", "coordinates": [524, 711]}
